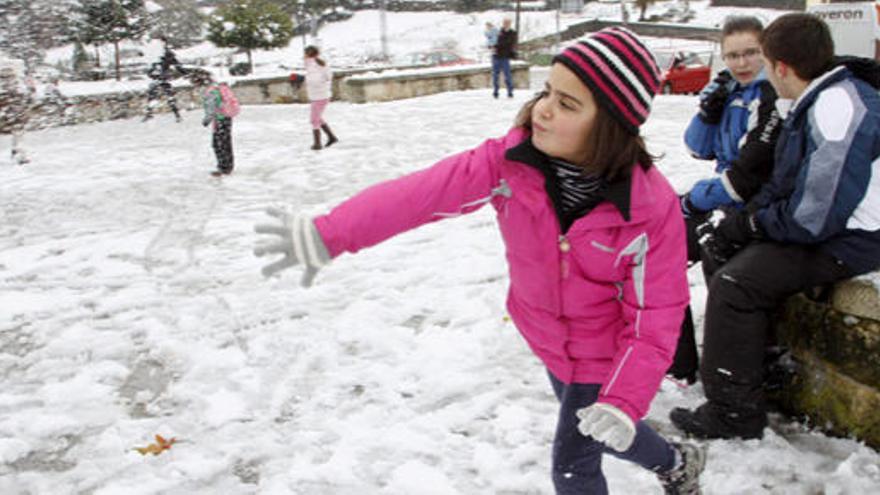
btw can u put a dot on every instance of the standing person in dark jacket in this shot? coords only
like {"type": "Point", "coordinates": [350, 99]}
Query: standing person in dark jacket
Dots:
{"type": "Point", "coordinates": [737, 126]}
{"type": "Point", "coordinates": [815, 222]}
{"type": "Point", "coordinates": [505, 49]}
{"type": "Point", "coordinates": [161, 73]}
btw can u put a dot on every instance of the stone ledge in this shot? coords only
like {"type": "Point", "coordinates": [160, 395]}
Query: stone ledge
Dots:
{"type": "Point", "coordinates": [857, 297]}
{"type": "Point", "coordinates": [837, 380]}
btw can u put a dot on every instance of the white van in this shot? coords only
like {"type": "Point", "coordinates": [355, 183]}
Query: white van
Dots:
{"type": "Point", "coordinates": [854, 26]}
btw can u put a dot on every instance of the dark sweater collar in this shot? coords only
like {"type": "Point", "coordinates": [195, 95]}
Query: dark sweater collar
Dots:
{"type": "Point", "coordinates": [617, 192]}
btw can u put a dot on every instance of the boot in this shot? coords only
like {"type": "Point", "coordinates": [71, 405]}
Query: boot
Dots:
{"type": "Point", "coordinates": [711, 421]}
{"type": "Point", "coordinates": [330, 137]}
{"type": "Point", "coordinates": [684, 479]}
{"type": "Point", "coordinates": [316, 134]}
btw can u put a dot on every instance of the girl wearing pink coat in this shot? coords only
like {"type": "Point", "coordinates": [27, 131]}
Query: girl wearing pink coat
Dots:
{"type": "Point", "coordinates": [595, 244]}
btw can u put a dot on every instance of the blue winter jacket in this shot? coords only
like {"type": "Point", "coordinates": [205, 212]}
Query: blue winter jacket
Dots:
{"type": "Point", "coordinates": [824, 190]}
{"type": "Point", "coordinates": [722, 141]}
{"type": "Point", "coordinates": [742, 144]}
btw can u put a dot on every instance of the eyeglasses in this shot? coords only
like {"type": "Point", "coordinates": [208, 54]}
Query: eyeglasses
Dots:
{"type": "Point", "coordinates": [745, 54]}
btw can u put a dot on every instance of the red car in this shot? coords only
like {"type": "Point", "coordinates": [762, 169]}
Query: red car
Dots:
{"type": "Point", "coordinates": [683, 72]}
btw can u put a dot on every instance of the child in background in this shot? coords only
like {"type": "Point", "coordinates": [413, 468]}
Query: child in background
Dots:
{"type": "Point", "coordinates": [491, 34]}
{"type": "Point", "coordinates": [319, 85]}
{"type": "Point", "coordinates": [212, 101]}
{"type": "Point", "coordinates": [595, 246]}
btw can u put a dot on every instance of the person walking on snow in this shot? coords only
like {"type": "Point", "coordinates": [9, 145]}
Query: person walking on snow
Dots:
{"type": "Point", "coordinates": [595, 246]}
{"type": "Point", "coordinates": [161, 73]}
{"type": "Point", "coordinates": [319, 86]}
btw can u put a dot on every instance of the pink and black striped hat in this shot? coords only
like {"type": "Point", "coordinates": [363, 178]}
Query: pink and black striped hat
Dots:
{"type": "Point", "coordinates": [619, 70]}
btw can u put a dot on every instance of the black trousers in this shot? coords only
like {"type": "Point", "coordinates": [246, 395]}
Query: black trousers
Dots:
{"type": "Point", "coordinates": [164, 87]}
{"type": "Point", "coordinates": [743, 295]}
{"type": "Point", "coordinates": [222, 143]}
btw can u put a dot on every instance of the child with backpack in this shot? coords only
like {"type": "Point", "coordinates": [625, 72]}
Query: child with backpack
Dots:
{"type": "Point", "coordinates": [221, 106]}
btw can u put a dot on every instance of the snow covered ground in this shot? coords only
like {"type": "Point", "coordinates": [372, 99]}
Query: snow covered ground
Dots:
{"type": "Point", "coordinates": [131, 305]}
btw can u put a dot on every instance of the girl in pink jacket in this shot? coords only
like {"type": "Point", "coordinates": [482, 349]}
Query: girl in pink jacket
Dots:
{"type": "Point", "coordinates": [595, 245]}
{"type": "Point", "coordinates": [319, 86]}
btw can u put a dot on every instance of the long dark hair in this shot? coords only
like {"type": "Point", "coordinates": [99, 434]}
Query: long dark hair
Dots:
{"type": "Point", "coordinates": [312, 51]}
{"type": "Point", "coordinates": [613, 151]}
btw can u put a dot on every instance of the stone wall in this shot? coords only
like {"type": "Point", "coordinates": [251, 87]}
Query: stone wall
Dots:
{"type": "Point", "coordinates": [355, 85]}
{"type": "Point", "coordinates": [408, 84]}
{"type": "Point", "coordinates": [835, 347]}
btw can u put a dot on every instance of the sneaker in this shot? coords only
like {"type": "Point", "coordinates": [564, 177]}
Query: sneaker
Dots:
{"type": "Point", "coordinates": [684, 479]}
{"type": "Point", "coordinates": [709, 421]}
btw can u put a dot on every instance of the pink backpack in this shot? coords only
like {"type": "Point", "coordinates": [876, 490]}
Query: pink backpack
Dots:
{"type": "Point", "coordinates": [230, 106]}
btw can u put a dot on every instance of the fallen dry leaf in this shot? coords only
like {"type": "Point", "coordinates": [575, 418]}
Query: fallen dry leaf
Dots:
{"type": "Point", "coordinates": [157, 448]}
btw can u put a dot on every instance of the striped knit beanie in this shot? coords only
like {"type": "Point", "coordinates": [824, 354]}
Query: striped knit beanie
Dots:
{"type": "Point", "coordinates": [620, 72]}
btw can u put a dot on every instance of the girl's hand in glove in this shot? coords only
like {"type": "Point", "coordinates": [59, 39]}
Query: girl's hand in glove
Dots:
{"type": "Point", "coordinates": [607, 424]}
{"type": "Point", "coordinates": [298, 241]}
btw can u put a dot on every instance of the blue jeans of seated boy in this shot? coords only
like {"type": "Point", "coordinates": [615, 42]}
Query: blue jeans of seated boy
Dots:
{"type": "Point", "coordinates": [577, 459]}
{"type": "Point", "coordinates": [501, 64]}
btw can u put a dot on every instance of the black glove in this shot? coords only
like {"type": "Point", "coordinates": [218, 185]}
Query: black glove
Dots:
{"type": "Point", "coordinates": [688, 209]}
{"type": "Point", "coordinates": [739, 227]}
{"type": "Point", "coordinates": [719, 242]}
{"type": "Point", "coordinates": [713, 99]}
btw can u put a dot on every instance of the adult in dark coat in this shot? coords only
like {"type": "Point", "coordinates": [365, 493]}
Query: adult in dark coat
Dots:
{"type": "Point", "coordinates": [505, 49]}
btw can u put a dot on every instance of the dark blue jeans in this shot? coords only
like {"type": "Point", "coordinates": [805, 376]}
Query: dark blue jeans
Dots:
{"type": "Point", "coordinates": [577, 459]}
{"type": "Point", "coordinates": [501, 64]}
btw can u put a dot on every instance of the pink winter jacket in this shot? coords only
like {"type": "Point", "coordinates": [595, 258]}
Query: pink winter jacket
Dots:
{"type": "Point", "coordinates": [601, 304]}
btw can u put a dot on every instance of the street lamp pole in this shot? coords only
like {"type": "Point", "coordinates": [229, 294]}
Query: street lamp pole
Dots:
{"type": "Point", "coordinates": [383, 27]}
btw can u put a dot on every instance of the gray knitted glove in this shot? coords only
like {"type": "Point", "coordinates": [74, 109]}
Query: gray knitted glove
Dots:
{"type": "Point", "coordinates": [298, 240]}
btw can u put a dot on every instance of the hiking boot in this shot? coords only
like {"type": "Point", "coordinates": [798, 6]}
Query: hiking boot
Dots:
{"type": "Point", "coordinates": [709, 421]}
{"type": "Point", "coordinates": [684, 479]}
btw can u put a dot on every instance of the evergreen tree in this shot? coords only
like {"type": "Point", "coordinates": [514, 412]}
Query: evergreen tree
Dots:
{"type": "Point", "coordinates": [110, 21]}
{"type": "Point", "coordinates": [250, 24]}
{"type": "Point", "coordinates": [179, 22]}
